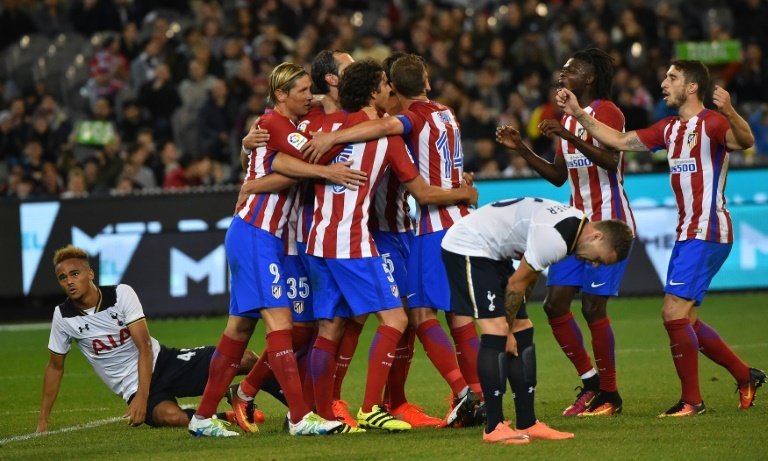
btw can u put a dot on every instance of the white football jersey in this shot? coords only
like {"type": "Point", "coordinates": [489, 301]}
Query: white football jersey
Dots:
{"type": "Point", "coordinates": [543, 231]}
{"type": "Point", "coordinates": [102, 335]}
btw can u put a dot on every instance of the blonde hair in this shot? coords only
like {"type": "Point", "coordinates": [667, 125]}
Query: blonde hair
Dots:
{"type": "Point", "coordinates": [68, 252]}
{"type": "Point", "coordinates": [283, 77]}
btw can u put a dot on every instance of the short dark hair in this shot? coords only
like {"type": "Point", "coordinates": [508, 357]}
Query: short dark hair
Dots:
{"type": "Point", "coordinates": [407, 75]}
{"type": "Point", "coordinates": [389, 60]}
{"type": "Point", "coordinates": [323, 64]}
{"type": "Point", "coordinates": [694, 72]}
{"type": "Point", "coordinates": [618, 235]}
{"type": "Point", "coordinates": [361, 79]}
{"type": "Point", "coordinates": [602, 66]}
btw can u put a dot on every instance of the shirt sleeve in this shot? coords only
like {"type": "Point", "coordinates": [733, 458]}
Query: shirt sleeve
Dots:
{"type": "Point", "coordinates": [59, 341]}
{"type": "Point", "coordinates": [407, 118]}
{"type": "Point", "coordinates": [609, 114]}
{"type": "Point", "coordinates": [545, 246]}
{"type": "Point", "coordinates": [653, 136]}
{"type": "Point", "coordinates": [128, 302]}
{"type": "Point", "coordinates": [716, 127]}
{"type": "Point", "coordinates": [400, 160]}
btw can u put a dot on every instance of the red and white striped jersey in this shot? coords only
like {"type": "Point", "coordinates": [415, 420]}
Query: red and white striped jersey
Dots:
{"type": "Point", "coordinates": [340, 222]}
{"type": "Point", "coordinates": [390, 211]}
{"type": "Point", "coordinates": [698, 166]}
{"type": "Point", "coordinates": [597, 192]}
{"type": "Point", "coordinates": [269, 211]}
{"type": "Point", "coordinates": [432, 134]}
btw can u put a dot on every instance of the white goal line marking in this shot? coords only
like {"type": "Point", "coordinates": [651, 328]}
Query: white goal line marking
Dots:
{"type": "Point", "coordinates": [92, 424]}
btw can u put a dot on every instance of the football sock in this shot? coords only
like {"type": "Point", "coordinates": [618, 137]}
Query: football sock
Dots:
{"type": "Point", "coordinates": [521, 372]}
{"type": "Point", "coordinates": [255, 378]}
{"type": "Point", "coordinates": [380, 358]}
{"type": "Point", "coordinates": [568, 336]}
{"type": "Point", "coordinates": [685, 348]}
{"type": "Point", "coordinates": [283, 362]}
{"type": "Point", "coordinates": [492, 370]}
{"type": "Point", "coordinates": [603, 346]}
{"type": "Point", "coordinates": [397, 375]}
{"type": "Point", "coordinates": [322, 368]}
{"type": "Point", "coordinates": [346, 351]}
{"type": "Point", "coordinates": [717, 350]}
{"type": "Point", "coordinates": [308, 385]}
{"type": "Point", "coordinates": [467, 346]}
{"type": "Point", "coordinates": [438, 347]}
{"type": "Point", "coordinates": [222, 369]}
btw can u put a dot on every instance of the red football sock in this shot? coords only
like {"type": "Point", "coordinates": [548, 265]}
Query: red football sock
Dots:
{"type": "Point", "coordinates": [467, 345]}
{"type": "Point", "coordinates": [260, 372]}
{"type": "Point", "coordinates": [283, 362]}
{"type": "Point", "coordinates": [380, 359]}
{"type": "Point", "coordinates": [322, 368]}
{"type": "Point", "coordinates": [395, 393]}
{"type": "Point", "coordinates": [717, 350]}
{"type": "Point", "coordinates": [568, 336]}
{"type": "Point", "coordinates": [346, 351]}
{"type": "Point", "coordinates": [223, 367]}
{"type": "Point", "coordinates": [303, 337]}
{"type": "Point", "coordinates": [439, 349]}
{"type": "Point", "coordinates": [685, 353]}
{"type": "Point", "coordinates": [603, 346]}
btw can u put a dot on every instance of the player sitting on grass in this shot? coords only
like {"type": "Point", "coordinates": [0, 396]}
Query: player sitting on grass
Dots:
{"type": "Point", "coordinates": [109, 327]}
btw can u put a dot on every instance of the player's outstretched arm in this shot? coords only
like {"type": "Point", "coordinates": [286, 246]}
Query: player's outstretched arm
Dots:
{"type": "Point", "coordinates": [137, 410]}
{"type": "Point", "coordinates": [54, 371]}
{"type": "Point", "coordinates": [256, 137]}
{"type": "Point", "coordinates": [321, 142]}
{"type": "Point", "coordinates": [740, 135]}
{"type": "Point", "coordinates": [519, 286]}
{"type": "Point", "coordinates": [556, 173]}
{"type": "Point", "coordinates": [433, 195]}
{"type": "Point", "coordinates": [607, 159]}
{"type": "Point", "coordinates": [599, 130]}
{"type": "Point", "coordinates": [338, 173]}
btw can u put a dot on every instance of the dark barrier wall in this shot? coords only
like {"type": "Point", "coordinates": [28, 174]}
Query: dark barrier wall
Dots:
{"type": "Point", "coordinates": [169, 247]}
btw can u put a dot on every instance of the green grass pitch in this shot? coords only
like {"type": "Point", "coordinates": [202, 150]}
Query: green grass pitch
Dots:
{"type": "Point", "coordinates": [86, 414]}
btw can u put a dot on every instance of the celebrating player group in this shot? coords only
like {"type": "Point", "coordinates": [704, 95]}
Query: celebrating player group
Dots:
{"type": "Point", "coordinates": [323, 238]}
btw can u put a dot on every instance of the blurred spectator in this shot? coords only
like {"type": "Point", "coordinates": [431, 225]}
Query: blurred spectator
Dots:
{"type": "Point", "coordinates": [51, 18]}
{"type": "Point", "coordinates": [136, 168]}
{"type": "Point", "coordinates": [14, 23]}
{"type": "Point", "coordinates": [165, 162]}
{"type": "Point", "coordinates": [76, 185]}
{"type": "Point", "coordinates": [50, 182]}
{"type": "Point", "coordinates": [216, 122]}
{"type": "Point", "coordinates": [109, 59]}
{"type": "Point", "coordinates": [143, 67]}
{"type": "Point", "coordinates": [759, 124]}
{"type": "Point", "coordinates": [159, 98]}
{"type": "Point", "coordinates": [91, 16]}
{"type": "Point", "coordinates": [131, 122]}
{"type": "Point", "coordinates": [191, 172]}
{"type": "Point", "coordinates": [488, 159]}
{"type": "Point", "coordinates": [102, 85]}
{"type": "Point", "coordinates": [518, 167]}
{"type": "Point", "coordinates": [750, 84]}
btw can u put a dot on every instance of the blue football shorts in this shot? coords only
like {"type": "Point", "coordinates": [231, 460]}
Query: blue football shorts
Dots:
{"type": "Point", "coordinates": [427, 279]}
{"type": "Point", "coordinates": [255, 259]}
{"type": "Point", "coordinates": [692, 266]}
{"type": "Point", "coordinates": [394, 247]}
{"type": "Point", "coordinates": [298, 287]}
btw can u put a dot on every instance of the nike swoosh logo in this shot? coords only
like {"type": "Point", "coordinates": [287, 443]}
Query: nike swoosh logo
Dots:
{"type": "Point", "coordinates": [391, 356]}
{"type": "Point", "coordinates": [595, 285]}
{"type": "Point", "coordinates": [341, 357]}
{"type": "Point", "coordinates": [410, 296]}
{"type": "Point", "coordinates": [676, 283]}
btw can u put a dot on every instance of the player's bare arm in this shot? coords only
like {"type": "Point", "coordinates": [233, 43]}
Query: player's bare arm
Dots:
{"type": "Point", "coordinates": [273, 182]}
{"type": "Point", "coordinates": [338, 173]}
{"type": "Point", "coordinates": [321, 142]}
{"type": "Point", "coordinates": [256, 137]}
{"type": "Point", "coordinates": [518, 288]}
{"type": "Point", "coordinates": [740, 135]}
{"type": "Point", "coordinates": [607, 159]}
{"type": "Point", "coordinates": [599, 130]}
{"type": "Point", "coordinates": [433, 195]}
{"type": "Point", "coordinates": [137, 410]}
{"type": "Point", "coordinates": [54, 372]}
{"type": "Point", "coordinates": [556, 173]}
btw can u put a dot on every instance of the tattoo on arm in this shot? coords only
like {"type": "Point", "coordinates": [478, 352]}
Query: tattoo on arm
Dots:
{"type": "Point", "coordinates": [634, 143]}
{"type": "Point", "coordinates": [586, 120]}
{"type": "Point", "coordinates": [512, 302]}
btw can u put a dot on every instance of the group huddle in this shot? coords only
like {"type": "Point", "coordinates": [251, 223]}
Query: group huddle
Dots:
{"type": "Point", "coordinates": [322, 237]}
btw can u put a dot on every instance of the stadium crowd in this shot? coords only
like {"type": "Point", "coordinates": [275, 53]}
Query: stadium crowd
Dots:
{"type": "Point", "coordinates": [102, 97]}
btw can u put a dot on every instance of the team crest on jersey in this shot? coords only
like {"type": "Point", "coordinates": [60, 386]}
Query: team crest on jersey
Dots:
{"type": "Point", "coordinates": [297, 140]}
{"type": "Point", "coordinates": [692, 140]}
{"type": "Point", "coordinates": [444, 116]}
{"type": "Point", "coordinates": [394, 290]}
{"type": "Point", "coordinates": [342, 157]}
{"type": "Point", "coordinates": [298, 307]}
{"type": "Point", "coordinates": [303, 126]}
{"type": "Point", "coordinates": [581, 133]}
{"type": "Point", "coordinates": [277, 290]}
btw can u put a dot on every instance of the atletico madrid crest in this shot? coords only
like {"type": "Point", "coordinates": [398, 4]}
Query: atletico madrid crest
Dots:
{"type": "Point", "coordinates": [277, 290]}
{"type": "Point", "coordinates": [395, 291]}
{"type": "Point", "coordinates": [692, 140]}
{"type": "Point", "coordinates": [298, 307]}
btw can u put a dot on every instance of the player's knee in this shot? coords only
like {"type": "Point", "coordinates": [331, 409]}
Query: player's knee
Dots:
{"type": "Point", "coordinates": [594, 310]}
{"type": "Point", "coordinates": [556, 306]}
{"type": "Point", "coordinates": [394, 318]}
{"type": "Point", "coordinates": [168, 414]}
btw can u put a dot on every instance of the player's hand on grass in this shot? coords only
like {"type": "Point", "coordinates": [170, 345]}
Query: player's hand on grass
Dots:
{"type": "Point", "coordinates": [511, 344]}
{"type": "Point", "coordinates": [319, 144]}
{"type": "Point", "coordinates": [137, 411]}
{"type": "Point", "coordinates": [340, 173]}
